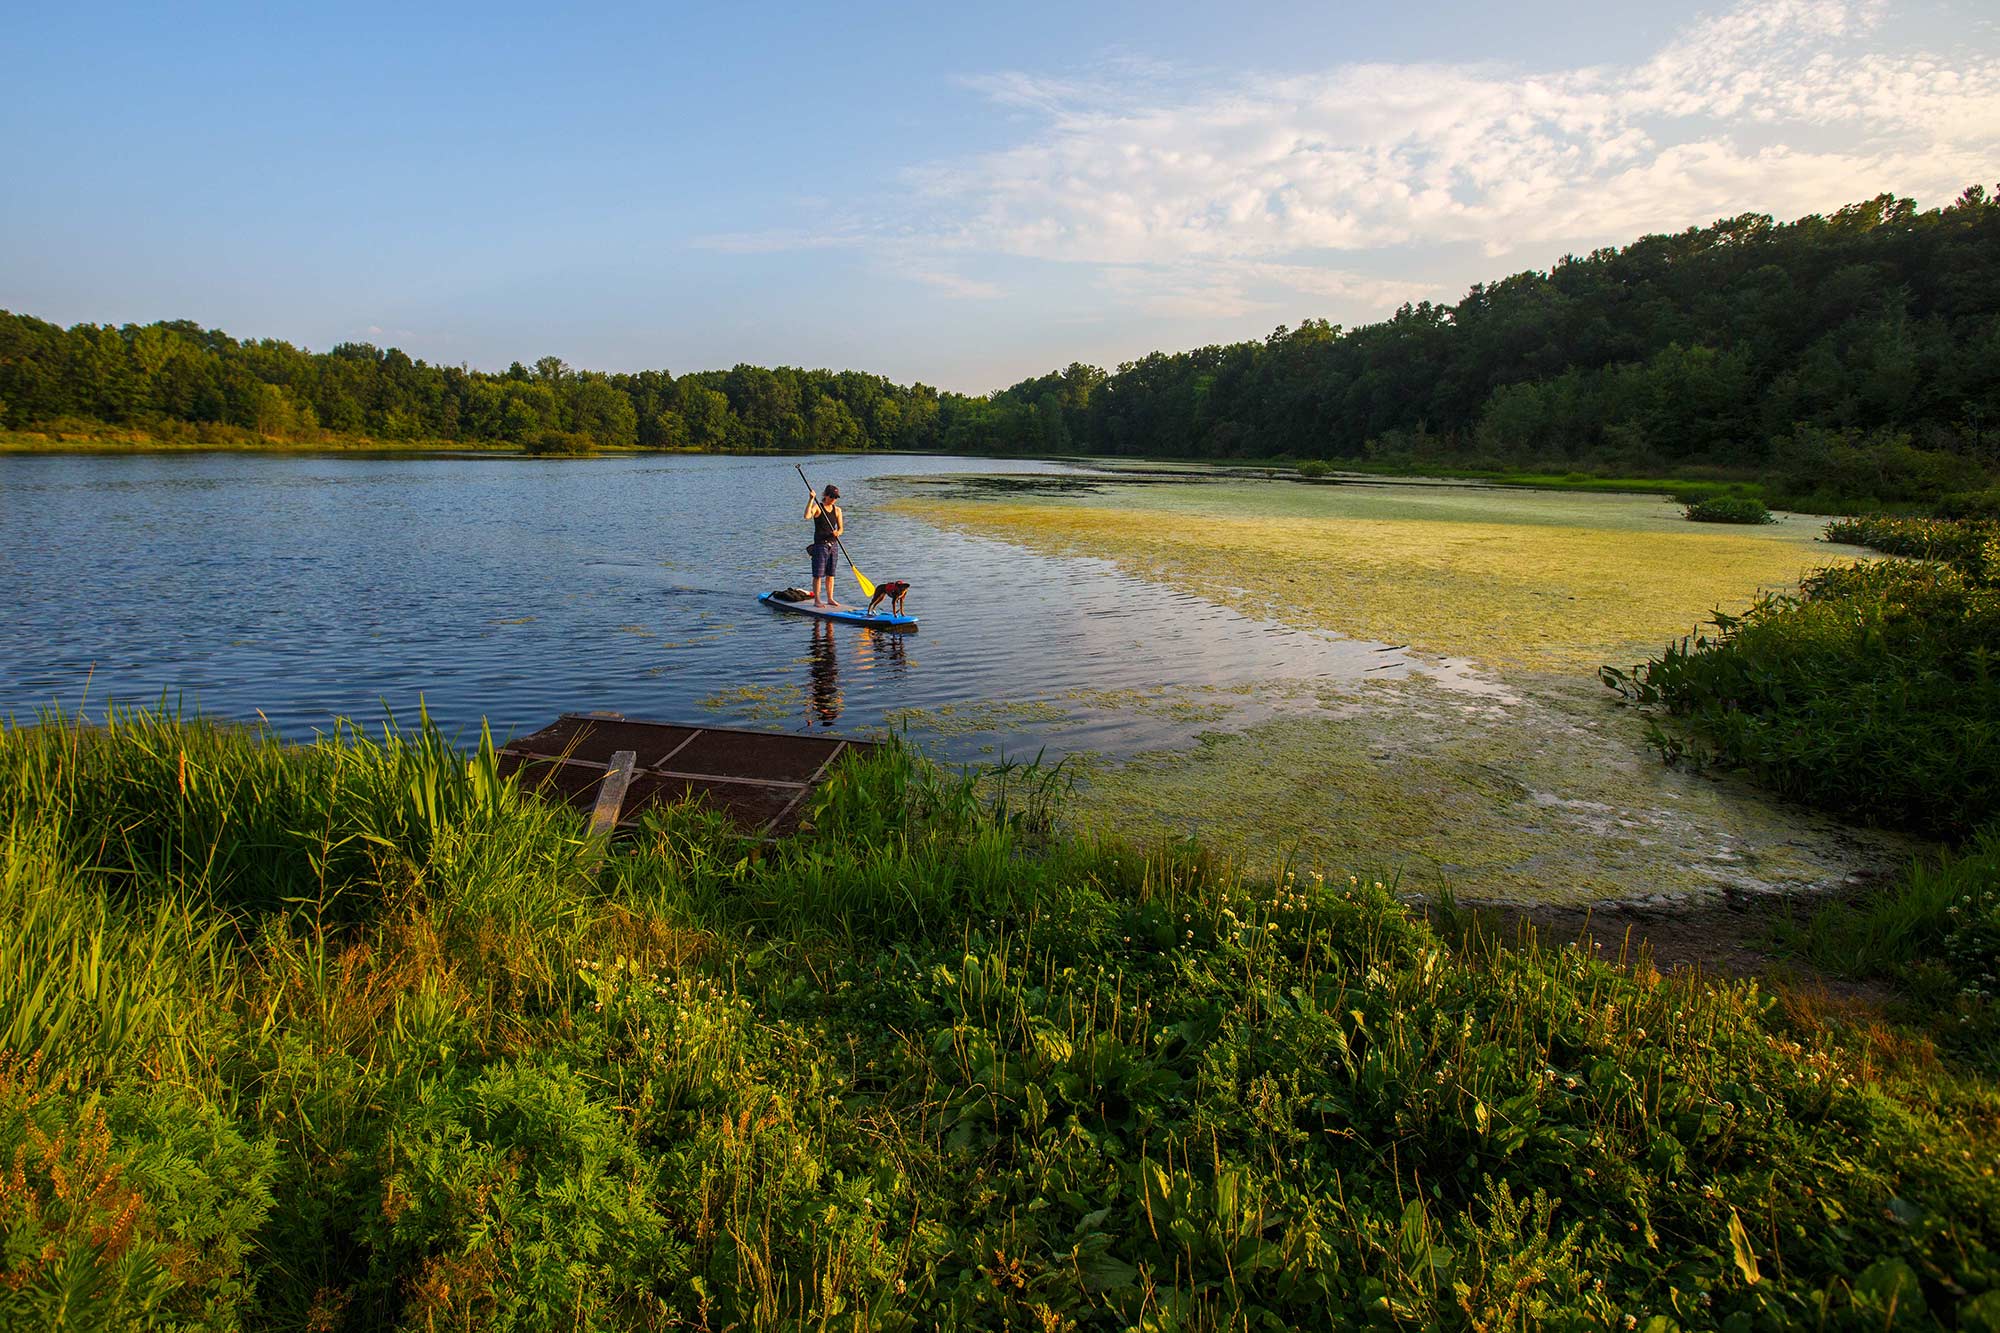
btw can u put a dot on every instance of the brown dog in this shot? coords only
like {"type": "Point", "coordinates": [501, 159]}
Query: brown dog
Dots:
{"type": "Point", "coordinates": [893, 593]}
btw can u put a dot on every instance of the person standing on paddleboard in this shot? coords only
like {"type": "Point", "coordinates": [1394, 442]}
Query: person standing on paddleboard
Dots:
{"type": "Point", "coordinates": [824, 511]}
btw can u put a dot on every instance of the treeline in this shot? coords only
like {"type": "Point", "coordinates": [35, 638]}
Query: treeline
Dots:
{"type": "Point", "coordinates": [177, 380]}
{"type": "Point", "coordinates": [1857, 353]}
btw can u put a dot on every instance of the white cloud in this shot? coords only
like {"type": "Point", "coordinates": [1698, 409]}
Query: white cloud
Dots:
{"type": "Point", "coordinates": [955, 284]}
{"type": "Point", "coordinates": [1150, 195]}
{"type": "Point", "coordinates": [1735, 114]}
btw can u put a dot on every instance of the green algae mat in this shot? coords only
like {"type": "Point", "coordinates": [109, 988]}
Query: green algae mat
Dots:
{"type": "Point", "coordinates": [1511, 578]}
{"type": "Point", "coordinates": [1532, 785]}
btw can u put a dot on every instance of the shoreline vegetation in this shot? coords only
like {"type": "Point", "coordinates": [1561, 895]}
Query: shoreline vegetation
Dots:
{"type": "Point", "coordinates": [1870, 693]}
{"type": "Point", "coordinates": [1836, 363]}
{"type": "Point", "coordinates": [356, 1035]}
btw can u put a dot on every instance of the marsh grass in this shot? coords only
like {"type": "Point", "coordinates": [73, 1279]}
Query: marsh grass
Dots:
{"type": "Point", "coordinates": [1728, 509]}
{"type": "Point", "coordinates": [381, 1043]}
{"type": "Point", "coordinates": [1935, 936]}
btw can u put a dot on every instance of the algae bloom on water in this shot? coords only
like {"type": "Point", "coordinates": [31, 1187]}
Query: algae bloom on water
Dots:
{"type": "Point", "coordinates": [1531, 787]}
{"type": "Point", "coordinates": [1509, 578]}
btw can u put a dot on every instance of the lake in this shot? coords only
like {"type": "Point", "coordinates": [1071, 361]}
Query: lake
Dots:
{"type": "Point", "coordinates": [1394, 678]}
{"type": "Point", "coordinates": [302, 589]}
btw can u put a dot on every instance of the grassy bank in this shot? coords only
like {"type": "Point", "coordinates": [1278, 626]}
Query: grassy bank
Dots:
{"type": "Point", "coordinates": [174, 437]}
{"type": "Point", "coordinates": [1677, 486]}
{"type": "Point", "coordinates": [1871, 693]}
{"type": "Point", "coordinates": [354, 1036]}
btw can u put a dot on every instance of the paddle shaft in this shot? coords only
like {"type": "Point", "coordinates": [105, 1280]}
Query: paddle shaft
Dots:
{"type": "Point", "coordinates": [859, 577]}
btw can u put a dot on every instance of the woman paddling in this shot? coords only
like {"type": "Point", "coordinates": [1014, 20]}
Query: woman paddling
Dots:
{"type": "Point", "coordinates": [824, 511]}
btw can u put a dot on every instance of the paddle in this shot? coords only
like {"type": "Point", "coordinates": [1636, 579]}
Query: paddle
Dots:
{"type": "Point", "coordinates": [867, 588]}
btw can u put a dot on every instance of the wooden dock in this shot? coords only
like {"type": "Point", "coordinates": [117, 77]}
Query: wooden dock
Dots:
{"type": "Point", "coordinates": [617, 768]}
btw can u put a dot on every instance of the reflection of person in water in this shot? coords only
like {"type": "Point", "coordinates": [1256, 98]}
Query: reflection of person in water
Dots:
{"type": "Point", "coordinates": [825, 670]}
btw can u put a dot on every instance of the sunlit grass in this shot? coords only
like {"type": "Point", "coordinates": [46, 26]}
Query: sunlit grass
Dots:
{"type": "Point", "coordinates": [354, 1037]}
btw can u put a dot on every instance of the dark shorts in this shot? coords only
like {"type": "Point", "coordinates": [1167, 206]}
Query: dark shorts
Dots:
{"type": "Point", "coordinates": [822, 558]}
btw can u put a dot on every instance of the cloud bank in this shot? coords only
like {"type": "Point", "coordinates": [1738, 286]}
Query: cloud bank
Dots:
{"type": "Point", "coordinates": [1356, 188]}
{"type": "Point", "coordinates": [1776, 106]}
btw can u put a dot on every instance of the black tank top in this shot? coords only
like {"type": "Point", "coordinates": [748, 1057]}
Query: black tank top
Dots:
{"type": "Point", "coordinates": [822, 529]}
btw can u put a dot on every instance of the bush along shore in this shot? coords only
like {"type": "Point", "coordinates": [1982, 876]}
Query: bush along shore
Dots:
{"type": "Point", "coordinates": [1872, 692]}
{"type": "Point", "coordinates": [357, 1036]}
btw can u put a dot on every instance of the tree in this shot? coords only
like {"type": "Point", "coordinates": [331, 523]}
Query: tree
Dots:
{"type": "Point", "coordinates": [601, 412]}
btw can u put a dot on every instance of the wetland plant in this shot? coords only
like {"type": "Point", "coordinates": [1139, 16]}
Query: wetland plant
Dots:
{"type": "Point", "coordinates": [1871, 692]}
{"type": "Point", "coordinates": [357, 1035]}
{"type": "Point", "coordinates": [1729, 509]}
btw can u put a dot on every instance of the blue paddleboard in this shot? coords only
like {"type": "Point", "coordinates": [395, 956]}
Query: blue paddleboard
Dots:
{"type": "Point", "coordinates": [852, 616]}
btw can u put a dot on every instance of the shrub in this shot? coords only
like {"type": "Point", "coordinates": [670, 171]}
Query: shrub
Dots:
{"type": "Point", "coordinates": [518, 1201]}
{"type": "Point", "coordinates": [129, 1212]}
{"type": "Point", "coordinates": [1971, 504]}
{"type": "Point", "coordinates": [1857, 470]}
{"type": "Point", "coordinates": [558, 442]}
{"type": "Point", "coordinates": [1869, 694]}
{"type": "Point", "coordinates": [1729, 509]}
{"type": "Point", "coordinates": [1952, 542]}
{"type": "Point", "coordinates": [1313, 469]}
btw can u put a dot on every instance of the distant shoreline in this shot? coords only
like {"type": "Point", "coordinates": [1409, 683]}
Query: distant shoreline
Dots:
{"type": "Point", "coordinates": [128, 442]}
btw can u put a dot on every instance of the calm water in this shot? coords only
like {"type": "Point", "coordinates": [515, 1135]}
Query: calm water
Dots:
{"type": "Point", "coordinates": [304, 589]}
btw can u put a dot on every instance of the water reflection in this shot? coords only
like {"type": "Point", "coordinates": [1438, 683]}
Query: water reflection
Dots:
{"type": "Point", "coordinates": [824, 668]}
{"type": "Point", "coordinates": [873, 650]}
{"type": "Point", "coordinates": [883, 648]}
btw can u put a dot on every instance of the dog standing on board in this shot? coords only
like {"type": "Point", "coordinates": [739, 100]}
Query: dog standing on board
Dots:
{"type": "Point", "coordinates": [893, 593]}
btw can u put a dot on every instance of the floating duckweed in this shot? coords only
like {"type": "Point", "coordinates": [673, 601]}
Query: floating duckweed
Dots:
{"type": "Point", "coordinates": [975, 715]}
{"type": "Point", "coordinates": [1551, 799]}
{"type": "Point", "coordinates": [756, 701]}
{"type": "Point", "coordinates": [1511, 578]}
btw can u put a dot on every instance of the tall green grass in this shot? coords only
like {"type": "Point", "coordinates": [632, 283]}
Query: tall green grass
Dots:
{"type": "Point", "coordinates": [1935, 936]}
{"type": "Point", "coordinates": [377, 1042]}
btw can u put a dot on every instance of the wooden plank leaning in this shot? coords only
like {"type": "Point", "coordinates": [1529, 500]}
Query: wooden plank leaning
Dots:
{"type": "Point", "coordinates": [610, 800]}
{"type": "Point", "coordinates": [611, 792]}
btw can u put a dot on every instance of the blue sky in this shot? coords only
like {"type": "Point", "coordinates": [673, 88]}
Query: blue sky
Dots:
{"type": "Point", "coordinates": [963, 198]}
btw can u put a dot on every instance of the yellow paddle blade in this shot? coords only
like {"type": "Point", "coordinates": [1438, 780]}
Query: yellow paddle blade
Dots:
{"type": "Point", "coordinates": [867, 588]}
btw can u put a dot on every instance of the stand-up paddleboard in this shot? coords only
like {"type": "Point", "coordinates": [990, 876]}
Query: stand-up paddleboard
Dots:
{"type": "Point", "coordinates": [850, 616]}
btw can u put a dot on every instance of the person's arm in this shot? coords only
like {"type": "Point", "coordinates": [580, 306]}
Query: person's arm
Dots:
{"type": "Point", "coordinates": [839, 522]}
{"type": "Point", "coordinates": [812, 505]}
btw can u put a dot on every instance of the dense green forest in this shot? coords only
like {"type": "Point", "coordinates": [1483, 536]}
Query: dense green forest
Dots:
{"type": "Point", "coordinates": [1857, 353]}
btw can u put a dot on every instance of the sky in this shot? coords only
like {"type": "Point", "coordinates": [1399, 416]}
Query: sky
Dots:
{"type": "Point", "coordinates": [962, 195]}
